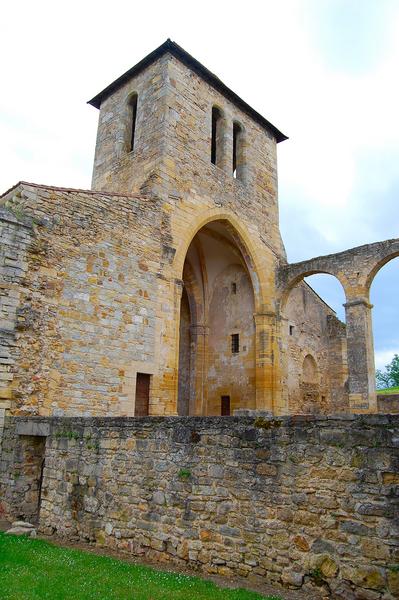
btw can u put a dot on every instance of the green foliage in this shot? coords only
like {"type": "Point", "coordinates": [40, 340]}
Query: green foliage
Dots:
{"type": "Point", "coordinates": [391, 390]}
{"type": "Point", "coordinates": [389, 377]}
{"type": "Point", "coordinates": [184, 474]}
{"type": "Point", "coordinates": [71, 435]}
{"type": "Point", "coordinates": [15, 209]}
{"type": "Point", "coordinates": [38, 570]}
{"type": "Point", "coordinates": [317, 576]}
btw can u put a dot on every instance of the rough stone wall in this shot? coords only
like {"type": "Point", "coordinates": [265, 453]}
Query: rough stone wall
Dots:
{"type": "Point", "coordinates": [172, 154]}
{"type": "Point", "coordinates": [287, 500]}
{"type": "Point", "coordinates": [16, 235]}
{"type": "Point", "coordinates": [231, 374]}
{"type": "Point", "coordinates": [195, 191]}
{"type": "Point", "coordinates": [388, 403]}
{"type": "Point", "coordinates": [312, 328]}
{"type": "Point", "coordinates": [355, 269]}
{"type": "Point", "coordinates": [89, 305]}
{"type": "Point", "coordinates": [115, 168]}
{"type": "Point", "coordinates": [254, 199]}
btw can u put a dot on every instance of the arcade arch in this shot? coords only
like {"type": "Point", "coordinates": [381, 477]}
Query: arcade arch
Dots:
{"type": "Point", "coordinates": [384, 286]}
{"type": "Point", "coordinates": [315, 340]}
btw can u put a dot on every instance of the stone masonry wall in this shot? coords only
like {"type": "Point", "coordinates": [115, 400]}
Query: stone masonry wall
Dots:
{"type": "Point", "coordinates": [172, 154]}
{"type": "Point", "coordinates": [16, 234]}
{"type": "Point", "coordinates": [312, 328]}
{"type": "Point", "coordinates": [88, 303]}
{"type": "Point", "coordinates": [298, 501]}
{"type": "Point", "coordinates": [388, 403]}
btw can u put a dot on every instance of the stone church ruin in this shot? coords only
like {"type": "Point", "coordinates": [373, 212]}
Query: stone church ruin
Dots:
{"type": "Point", "coordinates": [132, 312]}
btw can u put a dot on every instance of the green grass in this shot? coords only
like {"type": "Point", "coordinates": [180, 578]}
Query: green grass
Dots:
{"type": "Point", "coordinates": [392, 390]}
{"type": "Point", "coordinates": [38, 570]}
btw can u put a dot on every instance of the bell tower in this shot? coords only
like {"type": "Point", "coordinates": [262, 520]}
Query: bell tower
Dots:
{"type": "Point", "coordinates": [169, 126]}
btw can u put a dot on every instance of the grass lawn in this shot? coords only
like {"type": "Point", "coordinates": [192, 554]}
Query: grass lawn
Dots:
{"type": "Point", "coordinates": [392, 390]}
{"type": "Point", "coordinates": [36, 570]}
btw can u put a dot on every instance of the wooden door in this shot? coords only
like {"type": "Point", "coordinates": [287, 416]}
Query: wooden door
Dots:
{"type": "Point", "coordinates": [142, 395]}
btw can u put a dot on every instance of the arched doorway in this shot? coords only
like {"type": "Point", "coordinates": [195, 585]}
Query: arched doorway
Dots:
{"type": "Point", "coordinates": [217, 363]}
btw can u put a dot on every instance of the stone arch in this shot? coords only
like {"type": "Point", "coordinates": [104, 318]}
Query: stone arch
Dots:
{"type": "Point", "coordinates": [314, 336]}
{"type": "Point", "coordinates": [190, 316]}
{"type": "Point", "coordinates": [218, 285]}
{"type": "Point", "coordinates": [193, 293]}
{"type": "Point", "coordinates": [385, 315]}
{"type": "Point", "coordinates": [243, 240]}
{"type": "Point", "coordinates": [289, 285]}
{"type": "Point", "coordinates": [378, 266]}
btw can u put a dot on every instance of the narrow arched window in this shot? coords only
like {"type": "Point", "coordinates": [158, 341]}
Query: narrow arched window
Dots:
{"type": "Point", "coordinates": [132, 121]}
{"type": "Point", "coordinates": [238, 151]}
{"type": "Point", "coordinates": [216, 136]}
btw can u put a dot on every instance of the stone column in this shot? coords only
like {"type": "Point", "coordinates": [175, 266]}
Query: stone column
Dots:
{"type": "Point", "coordinates": [225, 146]}
{"type": "Point", "coordinates": [362, 393]}
{"type": "Point", "coordinates": [199, 366]}
{"type": "Point", "coordinates": [170, 293]}
{"type": "Point", "coordinates": [268, 363]}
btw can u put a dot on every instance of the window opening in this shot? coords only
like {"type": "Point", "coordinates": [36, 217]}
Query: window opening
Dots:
{"type": "Point", "coordinates": [225, 406]}
{"type": "Point", "coordinates": [235, 343]}
{"type": "Point", "coordinates": [133, 117]}
{"type": "Point", "coordinates": [237, 130]}
{"type": "Point", "coordinates": [215, 141]}
{"type": "Point", "coordinates": [291, 330]}
{"type": "Point", "coordinates": [233, 287]}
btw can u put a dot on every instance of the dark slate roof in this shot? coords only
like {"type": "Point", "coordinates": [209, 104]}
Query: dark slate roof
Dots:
{"type": "Point", "coordinates": [193, 64]}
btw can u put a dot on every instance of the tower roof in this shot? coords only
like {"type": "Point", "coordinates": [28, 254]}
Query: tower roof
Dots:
{"type": "Point", "coordinates": [193, 64]}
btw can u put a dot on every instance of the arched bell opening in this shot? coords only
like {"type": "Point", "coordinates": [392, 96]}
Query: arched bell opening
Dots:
{"type": "Point", "coordinates": [217, 356]}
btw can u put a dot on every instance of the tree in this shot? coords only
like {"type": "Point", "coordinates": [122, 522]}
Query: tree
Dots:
{"type": "Point", "coordinates": [389, 377]}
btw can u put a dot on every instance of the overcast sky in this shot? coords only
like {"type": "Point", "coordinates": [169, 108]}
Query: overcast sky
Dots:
{"type": "Point", "coordinates": [325, 72]}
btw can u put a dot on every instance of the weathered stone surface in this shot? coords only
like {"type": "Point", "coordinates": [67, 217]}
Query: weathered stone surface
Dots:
{"type": "Point", "coordinates": [128, 299]}
{"type": "Point", "coordinates": [21, 531]}
{"type": "Point", "coordinates": [102, 287]}
{"type": "Point", "coordinates": [153, 488]}
{"type": "Point", "coordinates": [22, 524]}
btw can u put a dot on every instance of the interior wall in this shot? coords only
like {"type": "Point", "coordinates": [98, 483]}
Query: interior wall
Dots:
{"type": "Point", "coordinates": [313, 330]}
{"type": "Point", "coordinates": [230, 313]}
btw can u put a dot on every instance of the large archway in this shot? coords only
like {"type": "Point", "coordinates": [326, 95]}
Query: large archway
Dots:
{"type": "Point", "coordinates": [385, 317]}
{"type": "Point", "coordinates": [315, 345]}
{"type": "Point", "coordinates": [217, 365]}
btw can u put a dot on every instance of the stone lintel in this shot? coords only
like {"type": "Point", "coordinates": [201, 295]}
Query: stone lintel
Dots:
{"type": "Point", "coordinates": [32, 428]}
